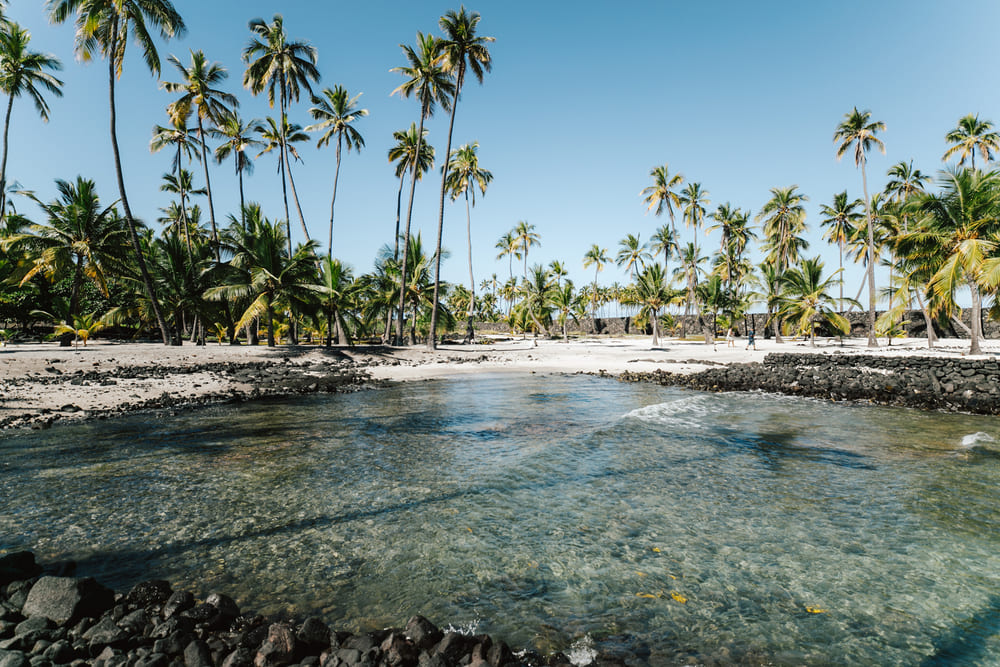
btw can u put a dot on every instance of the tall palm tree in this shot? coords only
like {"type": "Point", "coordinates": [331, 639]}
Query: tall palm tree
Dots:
{"type": "Point", "coordinates": [283, 67]}
{"type": "Point", "coordinates": [526, 238]}
{"type": "Point", "coordinates": [557, 269]}
{"type": "Point", "coordinates": [632, 254]}
{"type": "Point", "coordinates": [960, 227]}
{"type": "Point", "coordinates": [199, 94]}
{"type": "Point", "coordinates": [736, 234]}
{"type": "Point", "coordinates": [283, 137]}
{"type": "Point", "coordinates": [509, 248]}
{"type": "Point", "coordinates": [566, 302]}
{"type": "Point", "coordinates": [22, 72]}
{"type": "Point", "coordinates": [694, 199]}
{"type": "Point", "coordinates": [663, 193]}
{"type": "Point", "coordinates": [689, 270]}
{"type": "Point", "coordinates": [179, 138]}
{"type": "Point", "coordinates": [969, 136]}
{"type": "Point", "coordinates": [81, 237]}
{"type": "Point", "coordinates": [805, 298]}
{"type": "Point", "coordinates": [102, 28]}
{"type": "Point", "coordinates": [664, 240]}
{"type": "Point", "coordinates": [841, 218]}
{"type": "Point", "coordinates": [859, 130]}
{"type": "Point", "coordinates": [596, 257]}
{"type": "Point", "coordinates": [404, 154]}
{"type": "Point", "coordinates": [181, 184]}
{"type": "Point", "coordinates": [464, 177]}
{"type": "Point", "coordinates": [460, 50]}
{"type": "Point", "coordinates": [784, 222]}
{"type": "Point", "coordinates": [429, 82]}
{"type": "Point", "coordinates": [237, 138]}
{"type": "Point", "coordinates": [336, 110]}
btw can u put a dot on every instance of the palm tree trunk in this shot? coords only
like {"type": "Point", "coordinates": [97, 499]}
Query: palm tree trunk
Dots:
{"type": "Point", "coordinates": [472, 280]}
{"type": "Point", "coordinates": [187, 232]}
{"type": "Point", "coordinates": [74, 294]}
{"type": "Point", "coordinates": [270, 324]}
{"type": "Point", "coordinates": [208, 187]}
{"type": "Point", "coordinates": [977, 314]}
{"type": "Point", "coordinates": [406, 233]}
{"type": "Point", "coordinates": [295, 196]}
{"type": "Point", "coordinates": [841, 247]}
{"type": "Point", "coordinates": [656, 331]}
{"type": "Point", "coordinates": [243, 206]}
{"type": "Point", "coordinates": [431, 339]}
{"type": "Point", "coordinates": [872, 341]}
{"type": "Point", "coordinates": [147, 280]}
{"type": "Point", "coordinates": [3, 162]}
{"type": "Point", "coordinates": [284, 197]}
{"type": "Point", "coordinates": [928, 322]}
{"type": "Point", "coordinates": [395, 238]}
{"type": "Point", "coordinates": [333, 201]}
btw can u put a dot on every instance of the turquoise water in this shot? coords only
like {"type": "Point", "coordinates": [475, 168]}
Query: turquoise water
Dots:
{"type": "Point", "coordinates": [563, 513]}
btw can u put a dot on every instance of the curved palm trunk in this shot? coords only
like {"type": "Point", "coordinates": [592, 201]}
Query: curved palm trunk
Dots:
{"type": "Point", "coordinates": [3, 161]}
{"type": "Point", "coordinates": [470, 330]}
{"type": "Point", "coordinates": [928, 321]}
{"type": "Point", "coordinates": [284, 197]}
{"type": "Point", "coordinates": [208, 187]}
{"type": "Point", "coordinates": [243, 206]}
{"type": "Point", "coordinates": [872, 341]}
{"type": "Point", "coordinates": [333, 201]}
{"type": "Point", "coordinates": [431, 339]}
{"type": "Point", "coordinates": [656, 329]}
{"type": "Point", "coordinates": [406, 233]}
{"type": "Point", "coordinates": [147, 280]}
{"type": "Point", "coordinates": [295, 196]}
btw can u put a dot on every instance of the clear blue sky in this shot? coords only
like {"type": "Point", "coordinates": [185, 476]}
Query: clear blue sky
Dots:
{"type": "Point", "coordinates": [584, 99]}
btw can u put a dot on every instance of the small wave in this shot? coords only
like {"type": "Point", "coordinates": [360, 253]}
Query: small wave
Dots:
{"type": "Point", "coordinates": [690, 412]}
{"type": "Point", "coordinates": [976, 440]}
{"type": "Point", "coordinates": [582, 652]}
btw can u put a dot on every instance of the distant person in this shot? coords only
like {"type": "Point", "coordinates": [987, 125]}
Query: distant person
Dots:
{"type": "Point", "coordinates": [751, 341]}
{"type": "Point", "coordinates": [730, 338]}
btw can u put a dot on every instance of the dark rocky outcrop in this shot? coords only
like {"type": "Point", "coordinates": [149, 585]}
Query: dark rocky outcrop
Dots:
{"type": "Point", "coordinates": [952, 384]}
{"type": "Point", "coordinates": [51, 621]}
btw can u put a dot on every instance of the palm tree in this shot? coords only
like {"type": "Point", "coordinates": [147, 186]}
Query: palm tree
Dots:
{"type": "Point", "coordinates": [179, 138]}
{"type": "Point", "coordinates": [859, 130]}
{"type": "Point", "coordinates": [694, 199]}
{"type": "Point", "coordinates": [509, 248]}
{"type": "Point", "coordinates": [336, 111]}
{"type": "Point", "coordinates": [596, 257]}
{"type": "Point", "coordinates": [664, 240]}
{"type": "Point", "coordinates": [731, 266]}
{"type": "Point", "coordinates": [959, 227]}
{"type": "Point", "coordinates": [653, 295]}
{"type": "Point", "coordinates": [784, 221]}
{"type": "Point", "coordinates": [460, 50]}
{"type": "Point", "coordinates": [662, 194]}
{"type": "Point", "coordinates": [404, 154]}
{"type": "Point", "coordinates": [282, 138]}
{"type": "Point", "coordinates": [80, 236]}
{"type": "Point", "coordinates": [566, 302]}
{"type": "Point", "coordinates": [282, 67]}
{"type": "Point", "coordinates": [430, 84]}
{"type": "Point", "coordinates": [464, 176]}
{"type": "Point", "coordinates": [557, 269]}
{"type": "Point", "coordinates": [338, 288]}
{"type": "Point", "coordinates": [102, 28]}
{"type": "Point", "coordinates": [238, 137]}
{"type": "Point", "coordinates": [198, 93]}
{"type": "Point", "coordinates": [805, 298]}
{"type": "Point", "coordinates": [182, 185]}
{"type": "Point", "coordinates": [526, 237]}
{"type": "Point", "coordinates": [266, 274]}
{"type": "Point", "coordinates": [689, 270]}
{"type": "Point", "coordinates": [841, 218]}
{"type": "Point", "coordinates": [22, 72]}
{"type": "Point", "coordinates": [969, 136]}
{"type": "Point", "coordinates": [632, 255]}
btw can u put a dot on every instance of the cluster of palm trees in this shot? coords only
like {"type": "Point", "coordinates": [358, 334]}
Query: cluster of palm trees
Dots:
{"type": "Point", "coordinates": [190, 278]}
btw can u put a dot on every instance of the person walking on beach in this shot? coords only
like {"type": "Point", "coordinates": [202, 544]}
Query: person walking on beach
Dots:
{"type": "Point", "coordinates": [730, 340]}
{"type": "Point", "coordinates": [751, 341]}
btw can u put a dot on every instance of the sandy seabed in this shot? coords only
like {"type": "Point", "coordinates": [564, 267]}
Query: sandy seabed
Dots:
{"type": "Point", "coordinates": [36, 379]}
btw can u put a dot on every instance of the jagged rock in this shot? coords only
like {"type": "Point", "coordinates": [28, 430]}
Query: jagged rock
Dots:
{"type": "Point", "coordinates": [197, 654]}
{"type": "Point", "coordinates": [177, 603]}
{"type": "Point", "coordinates": [66, 599]}
{"type": "Point", "coordinates": [422, 632]}
{"type": "Point", "coordinates": [148, 593]}
{"type": "Point", "coordinates": [398, 651]}
{"type": "Point", "coordinates": [13, 659]}
{"type": "Point", "coordinates": [279, 647]}
{"type": "Point", "coordinates": [105, 633]}
{"type": "Point", "coordinates": [314, 634]}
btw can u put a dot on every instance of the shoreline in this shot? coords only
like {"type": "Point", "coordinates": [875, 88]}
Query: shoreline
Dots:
{"type": "Point", "coordinates": [42, 384]}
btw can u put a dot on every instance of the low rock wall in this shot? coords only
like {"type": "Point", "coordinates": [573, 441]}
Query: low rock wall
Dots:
{"type": "Point", "coordinates": [960, 385]}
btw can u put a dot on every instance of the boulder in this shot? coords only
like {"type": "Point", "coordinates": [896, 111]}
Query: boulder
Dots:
{"type": "Point", "coordinates": [197, 654]}
{"type": "Point", "coordinates": [67, 599]}
{"type": "Point", "coordinates": [148, 594]}
{"type": "Point", "coordinates": [13, 659]}
{"type": "Point", "coordinates": [279, 647]}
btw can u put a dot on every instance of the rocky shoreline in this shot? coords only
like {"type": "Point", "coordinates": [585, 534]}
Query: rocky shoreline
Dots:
{"type": "Point", "coordinates": [925, 382]}
{"type": "Point", "coordinates": [233, 381]}
{"type": "Point", "coordinates": [48, 620]}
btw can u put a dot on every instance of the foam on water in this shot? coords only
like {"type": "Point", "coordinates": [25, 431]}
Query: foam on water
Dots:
{"type": "Point", "coordinates": [689, 412]}
{"type": "Point", "coordinates": [977, 439]}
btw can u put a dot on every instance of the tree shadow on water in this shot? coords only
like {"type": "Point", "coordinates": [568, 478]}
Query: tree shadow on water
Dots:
{"type": "Point", "coordinates": [967, 642]}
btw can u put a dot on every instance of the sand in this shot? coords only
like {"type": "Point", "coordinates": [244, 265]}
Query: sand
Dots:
{"type": "Point", "coordinates": [36, 389]}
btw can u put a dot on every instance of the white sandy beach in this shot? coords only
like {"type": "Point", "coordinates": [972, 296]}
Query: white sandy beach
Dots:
{"type": "Point", "coordinates": [28, 372]}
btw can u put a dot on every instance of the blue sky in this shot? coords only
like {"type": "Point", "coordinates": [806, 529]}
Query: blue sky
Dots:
{"type": "Point", "coordinates": [584, 99]}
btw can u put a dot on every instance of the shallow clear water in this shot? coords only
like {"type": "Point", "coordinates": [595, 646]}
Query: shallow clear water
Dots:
{"type": "Point", "coordinates": [557, 512]}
